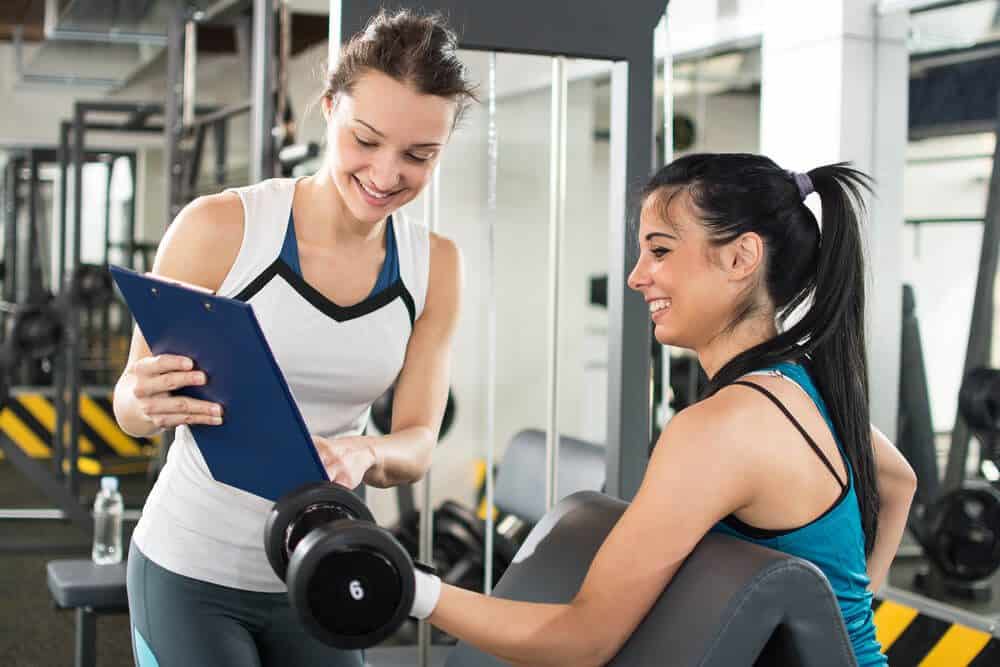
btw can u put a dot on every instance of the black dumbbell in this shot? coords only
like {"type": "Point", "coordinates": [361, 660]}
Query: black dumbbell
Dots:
{"type": "Point", "coordinates": [350, 582]}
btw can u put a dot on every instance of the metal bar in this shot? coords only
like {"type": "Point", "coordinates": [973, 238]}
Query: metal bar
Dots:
{"type": "Point", "coordinates": [262, 93]}
{"type": "Point", "coordinates": [85, 654]}
{"type": "Point", "coordinates": [668, 156]}
{"type": "Point", "coordinates": [336, 34]}
{"type": "Point", "coordinates": [193, 163]}
{"type": "Point", "coordinates": [916, 6]}
{"type": "Point", "coordinates": [977, 352]}
{"type": "Point", "coordinates": [284, 58]}
{"type": "Point", "coordinates": [557, 215]}
{"type": "Point", "coordinates": [105, 369]}
{"type": "Point", "coordinates": [221, 135]}
{"type": "Point", "coordinates": [218, 115]}
{"type": "Point", "coordinates": [190, 85]}
{"type": "Point", "coordinates": [111, 127]}
{"type": "Point", "coordinates": [942, 221]}
{"type": "Point", "coordinates": [13, 273]}
{"type": "Point", "coordinates": [37, 473]}
{"type": "Point", "coordinates": [628, 320]}
{"type": "Point", "coordinates": [59, 359]}
{"type": "Point", "coordinates": [48, 514]}
{"type": "Point", "coordinates": [489, 439]}
{"type": "Point", "coordinates": [949, 158]}
{"type": "Point", "coordinates": [35, 287]}
{"type": "Point", "coordinates": [939, 610]}
{"type": "Point", "coordinates": [432, 218]}
{"type": "Point", "coordinates": [9, 229]}
{"type": "Point", "coordinates": [72, 315]}
{"type": "Point", "coordinates": [172, 126]}
{"type": "Point", "coordinates": [116, 37]}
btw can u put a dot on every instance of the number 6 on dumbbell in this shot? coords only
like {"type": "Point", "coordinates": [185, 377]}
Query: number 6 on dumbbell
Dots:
{"type": "Point", "coordinates": [350, 582]}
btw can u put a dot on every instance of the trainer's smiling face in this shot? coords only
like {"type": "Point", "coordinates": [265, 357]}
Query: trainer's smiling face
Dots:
{"type": "Point", "coordinates": [385, 138]}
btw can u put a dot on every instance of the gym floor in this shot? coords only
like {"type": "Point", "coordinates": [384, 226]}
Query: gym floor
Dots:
{"type": "Point", "coordinates": [33, 633]}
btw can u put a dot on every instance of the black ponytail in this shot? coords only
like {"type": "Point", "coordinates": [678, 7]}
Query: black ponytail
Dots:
{"type": "Point", "coordinates": [740, 193]}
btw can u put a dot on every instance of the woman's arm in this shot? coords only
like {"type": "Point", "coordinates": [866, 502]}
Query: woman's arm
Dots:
{"type": "Point", "coordinates": [421, 391]}
{"type": "Point", "coordinates": [672, 511]}
{"type": "Point", "coordinates": [199, 248]}
{"type": "Point", "coordinates": [896, 485]}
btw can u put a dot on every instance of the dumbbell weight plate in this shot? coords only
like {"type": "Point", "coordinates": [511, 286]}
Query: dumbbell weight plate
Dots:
{"type": "Point", "coordinates": [303, 510]}
{"type": "Point", "coordinates": [351, 584]}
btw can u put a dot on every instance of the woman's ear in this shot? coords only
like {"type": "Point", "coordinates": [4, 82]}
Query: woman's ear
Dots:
{"type": "Point", "coordinates": [743, 255]}
{"type": "Point", "coordinates": [327, 105]}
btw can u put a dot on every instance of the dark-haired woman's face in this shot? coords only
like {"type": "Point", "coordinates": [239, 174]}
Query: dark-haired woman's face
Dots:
{"type": "Point", "coordinates": [689, 295]}
{"type": "Point", "coordinates": [384, 140]}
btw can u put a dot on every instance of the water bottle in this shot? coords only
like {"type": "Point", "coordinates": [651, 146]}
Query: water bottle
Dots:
{"type": "Point", "coordinates": [108, 508]}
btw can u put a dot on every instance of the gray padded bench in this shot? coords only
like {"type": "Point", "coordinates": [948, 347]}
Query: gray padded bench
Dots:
{"type": "Point", "coordinates": [91, 590]}
{"type": "Point", "coordinates": [731, 603]}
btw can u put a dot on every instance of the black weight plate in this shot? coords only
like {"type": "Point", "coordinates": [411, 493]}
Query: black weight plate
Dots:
{"type": "Point", "coordinates": [351, 584]}
{"type": "Point", "coordinates": [316, 500]}
{"type": "Point", "coordinates": [979, 399]}
{"type": "Point", "coordinates": [964, 533]}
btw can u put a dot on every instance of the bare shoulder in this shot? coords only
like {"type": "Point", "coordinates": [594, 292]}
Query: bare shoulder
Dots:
{"type": "Point", "coordinates": [720, 424]}
{"type": "Point", "coordinates": [445, 254]}
{"type": "Point", "coordinates": [202, 243]}
{"type": "Point", "coordinates": [444, 282]}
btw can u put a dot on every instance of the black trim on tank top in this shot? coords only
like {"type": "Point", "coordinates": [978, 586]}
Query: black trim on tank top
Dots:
{"type": "Point", "coordinates": [764, 533]}
{"type": "Point", "coordinates": [339, 313]}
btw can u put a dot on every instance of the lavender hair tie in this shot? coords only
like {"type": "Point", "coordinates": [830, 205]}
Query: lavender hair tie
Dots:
{"type": "Point", "coordinates": [804, 184]}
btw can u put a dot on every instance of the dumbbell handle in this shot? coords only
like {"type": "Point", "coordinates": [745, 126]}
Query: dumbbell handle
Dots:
{"type": "Point", "coordinates": [426, 593]}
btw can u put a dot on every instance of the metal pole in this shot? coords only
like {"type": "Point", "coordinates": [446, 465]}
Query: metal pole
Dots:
{"type": "Point", "coordinates": [629, 331]}
{"type": "Point", "coordinates": [72, 314]}
{"type": "Point", "coordinates": [284, 58]}
{"type": "Point", "coordinates": [977, 351]}
{"type": "Point", "coordinates": [190, 85]}
{"type": "Point", "coordinates": [35, 287]}
{"type": "Point", "coordinates": [491, 322]}
{"type": "Point", "coordinates": [432, 210]}
{"type": "Point", "coordinates": [262, 93]}
{"type": "Point", "coordinates": [59, 360]}
{"type": "Point", "coordinates": [557, 215]}
{"type": "Point", "coordinates": [333, 45]}
{"type": "Point", "coordinates": [172, 121]}
{"type": "Point", "coordinates": [105, 371]}
{"type": "Point", "coordinates": [10, 229]}
{"type": "Point", "coordinates": [668, 157]}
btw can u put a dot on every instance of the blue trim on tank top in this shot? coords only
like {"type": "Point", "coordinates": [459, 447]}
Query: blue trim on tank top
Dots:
{"type": "Point", "coordinates": [387, 276]}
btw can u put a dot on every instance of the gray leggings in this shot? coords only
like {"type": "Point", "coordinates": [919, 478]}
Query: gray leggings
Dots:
{"type": "Point", "coordinates": [182, 622]}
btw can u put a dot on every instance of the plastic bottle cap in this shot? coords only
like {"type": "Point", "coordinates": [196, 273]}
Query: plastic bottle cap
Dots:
{"type": "Point", "coordinates": [109, 484]}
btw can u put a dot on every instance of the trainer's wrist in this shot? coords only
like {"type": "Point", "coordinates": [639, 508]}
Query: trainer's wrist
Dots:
{"type": "Point", "coordinates": [427, 592]}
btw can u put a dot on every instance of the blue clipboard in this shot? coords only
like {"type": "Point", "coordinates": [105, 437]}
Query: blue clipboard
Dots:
{"type": "Point", "coordinates": [263, 445]}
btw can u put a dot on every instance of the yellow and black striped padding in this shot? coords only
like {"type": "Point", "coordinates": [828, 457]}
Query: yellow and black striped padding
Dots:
{"type": "Point", "coordinates": [29, 421]}
{"type": "Point", "coordinates": [910, 638]}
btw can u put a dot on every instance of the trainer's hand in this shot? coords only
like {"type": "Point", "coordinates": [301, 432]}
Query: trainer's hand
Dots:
{"type": "Point", "coordinates": [346, 459]}
{"type": "Point", "coordinates": [152, 380]}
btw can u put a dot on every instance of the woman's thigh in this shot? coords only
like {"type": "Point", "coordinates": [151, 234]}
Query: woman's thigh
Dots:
{"type": "Point", "coordinates": [178, 621]}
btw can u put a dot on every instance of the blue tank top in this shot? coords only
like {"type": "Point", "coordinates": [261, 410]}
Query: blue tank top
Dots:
{"type": "Point", "coordinates": [834, 542]}
{"type": "Point", "coordinates": [390, 266]}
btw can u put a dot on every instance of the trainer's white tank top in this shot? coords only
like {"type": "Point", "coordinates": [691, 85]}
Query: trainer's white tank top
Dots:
{"type": "Point", "coordinates": [337, 361]}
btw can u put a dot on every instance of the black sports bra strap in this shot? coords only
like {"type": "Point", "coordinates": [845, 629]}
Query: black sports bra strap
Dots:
{"type": "Point", "coordinates": [795, 422]}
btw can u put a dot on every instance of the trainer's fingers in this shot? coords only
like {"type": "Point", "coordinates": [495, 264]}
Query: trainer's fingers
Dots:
{"type": "Point", "coordinates": [181, 405]}
{"type": "Point", "coordinates": [172, 420]}
{"type": "Point", "coordinates": [163, 363]}
{"type": "Point", "coordinates": [150, 386]}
